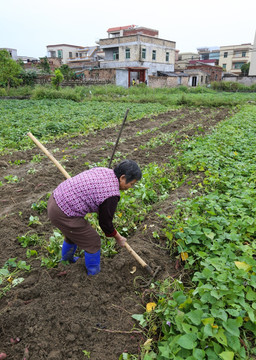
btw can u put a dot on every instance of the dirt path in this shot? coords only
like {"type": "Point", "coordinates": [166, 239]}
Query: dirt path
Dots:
{"type": "Point", "coordinates": [59, 315]}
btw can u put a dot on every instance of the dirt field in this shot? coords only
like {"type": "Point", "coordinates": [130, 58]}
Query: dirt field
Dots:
{"type": "Point", "coordinates": [56, 316]}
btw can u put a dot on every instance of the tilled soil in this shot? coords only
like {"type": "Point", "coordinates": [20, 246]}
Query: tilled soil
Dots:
{"type": "Point", "coordinates": [62, 313]}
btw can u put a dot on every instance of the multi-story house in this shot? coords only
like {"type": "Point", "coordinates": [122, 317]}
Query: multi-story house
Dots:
{"type": "Point", "coordinates": [234, 56]}
{"type": "Point", "coordinates": [86, 58]}
{"type": "Point", "coordinates": [63, 51]}
{"type": "Point", "coordinates": [209, 55]}
{"type": "Point", "coordinates": [12, 52]}
{"type": "Point", "coordinates": [184, 59]}
{"type": "Point", "coordinates": [138, 50]}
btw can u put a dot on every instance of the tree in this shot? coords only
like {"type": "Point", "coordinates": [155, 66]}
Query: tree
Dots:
{"type": "Point", "coordinates": [28, 77]}
{"type": "Point", "coordinates": [44, 65]}
{"type": "Point", "coordinates": [9, 70]}
{"type": "Point", "coordinates": [245, 69]}
{"type": "Point", "coordinates": [57, 79]}
{"type": "Point", "coordinates": [67, 72]}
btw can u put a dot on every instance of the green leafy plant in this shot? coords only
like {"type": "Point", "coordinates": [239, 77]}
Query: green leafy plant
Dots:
{"type": "Point", "coordinates": [11, 179]}
{"type": "Point", "coordinates": [30, 253]}
{"type": "Point", "coordinates": [34, 220]}
{"type": "Point", "coordinates": [17, 162]}
{"type": "Point", "coordinates": [87, 353]}
{"type": "Point", "coordinates": [32, 171]}
{"type": "Point", "coordinates": [9, 274]}
{"type": "Point", "coordinates": [39, 207]}
{"type": "Point", "coordinates": [53, 248]}
{"type": "Point", "coordinates": [214, 234]}
{"type": "Point", "coordinates": [29, 239]}
{"type": "Point", "coordinates": [37, 158]}
{"type": "Point", "coordinates": [126, 356]}
{"type": "Point", "coordinates": [57, 79]}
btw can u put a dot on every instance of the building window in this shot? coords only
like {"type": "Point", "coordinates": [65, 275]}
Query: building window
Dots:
{"type": "Point", "coordinates": [76, 54]}
{"type": "Point", "coordinates": [154, 55]}
{"type": "Point", "coordinates": [70, 54]}
{"type": "Point", "coordinates": [224, 67]}
{"type": "Point", "coordinates": [115, 55]}
{"type": "Point", "coordinates": [167, 57]}
{"type": "Point", "coordinates": [238, 65]}
{"type": "Point", "coordinates": [53, 54]}
{"type": "Point", "coordinates": [202, 79]}
{"type": "Point", "coordinates": [225, 54]}
{"type": "Point", "coordinates": [143, 53]}
{"type": "Point", "coordinates": [60, 54]}
{"type": "Point", "coordinates": [81, 55]}
{"type": "Point", "coordinates": [205, 57]}
{"type": "Point", "coordinates": [243, 53]}
{"type": "Point", "coordinates": [127, 53]}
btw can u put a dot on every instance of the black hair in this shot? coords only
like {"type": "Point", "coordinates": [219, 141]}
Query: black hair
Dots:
{"type": "Point", "coordinates": [130, 169]}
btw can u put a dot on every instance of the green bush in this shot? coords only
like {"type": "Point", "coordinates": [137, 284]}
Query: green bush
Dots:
{"type": "Point", "coordinates": [20, 91]}
{"type": "Point", "coordinates": [3, 92]}
{"type": "Point", "coordinates": [231, 86]}
{"type": "Point", "coordinates": [41, 92]}
{"type": "Point", "coordinates": [28, 77]}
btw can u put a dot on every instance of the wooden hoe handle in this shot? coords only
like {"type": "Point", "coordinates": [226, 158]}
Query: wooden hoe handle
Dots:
{"type": "Point", "coordinates": [52, 158]}
{"type": "Point", "coordinates": [139, 259]}
{"type": "Point", "coordinates": [60, 167]}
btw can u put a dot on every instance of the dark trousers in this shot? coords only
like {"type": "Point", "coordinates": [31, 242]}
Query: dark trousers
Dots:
{"type": "Point", "coordinates": [76, 230]}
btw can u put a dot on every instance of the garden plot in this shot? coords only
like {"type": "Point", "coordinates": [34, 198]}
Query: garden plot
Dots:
{"type": "Point", "coordinates": [60, 312]}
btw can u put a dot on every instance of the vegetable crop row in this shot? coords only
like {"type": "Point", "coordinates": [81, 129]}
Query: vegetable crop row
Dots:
{"type": "Point", "coordinates": [214, 317]}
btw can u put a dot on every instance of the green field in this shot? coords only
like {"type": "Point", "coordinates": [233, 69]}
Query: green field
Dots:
{"type": "Point", "coordinates": [210, 312]}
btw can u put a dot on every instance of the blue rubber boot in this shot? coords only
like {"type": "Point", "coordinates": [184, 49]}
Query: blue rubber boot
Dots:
{"type": "Point", "coordinates": [92, 262]}
{"type": "Point", "coordinates": [67, 252]}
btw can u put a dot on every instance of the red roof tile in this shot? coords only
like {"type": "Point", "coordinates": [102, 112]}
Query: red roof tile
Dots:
{"type": "Point", "coordinates": [121, 28]}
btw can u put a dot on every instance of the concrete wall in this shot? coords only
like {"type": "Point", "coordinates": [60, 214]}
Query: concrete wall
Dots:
{"type": "Point", "coordinates": [122, 78]}
{"type": "Point", "coordinates": [167, 81]}
{"type": "Point", "coordinates": [245, 80]}
{"type": "Point", "coordinates": [108, 75]}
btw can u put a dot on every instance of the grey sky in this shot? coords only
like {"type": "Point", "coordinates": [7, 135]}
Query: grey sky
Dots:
{"type": "Point", "coordinates": [29, 26]}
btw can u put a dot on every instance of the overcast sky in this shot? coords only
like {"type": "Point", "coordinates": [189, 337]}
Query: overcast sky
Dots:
{"type": "Point", "coordinates": [29, 26]}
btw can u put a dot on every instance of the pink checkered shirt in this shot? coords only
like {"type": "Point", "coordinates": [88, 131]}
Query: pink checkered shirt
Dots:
{"type": "Point", "coordinates": [85, 192]}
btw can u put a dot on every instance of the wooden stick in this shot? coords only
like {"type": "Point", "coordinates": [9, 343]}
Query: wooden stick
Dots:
{"type": "Point", "coordinates": [117, 140]}
{"type": "Point", "coordinates": [119, 331]}
{"type": "Point", "coordinates": [139, 259]}
{"type": "Point", "coordinates": [47, 153]}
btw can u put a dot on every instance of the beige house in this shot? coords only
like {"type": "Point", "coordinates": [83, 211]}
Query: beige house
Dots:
{"type": "Point", "coordinates": [86, 58]}
{"type": "Point", "coordinates": [138, 49]}
{"type": "Point", "coordinates": [63, 51]}
{"type": "Point", "coordinates": [234, 56]}
{"type": "Point", "coordinates": [183, 60]}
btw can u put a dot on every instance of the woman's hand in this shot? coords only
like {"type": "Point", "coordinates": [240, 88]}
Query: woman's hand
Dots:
{"type": "Point", "coordinates": [120, 239]}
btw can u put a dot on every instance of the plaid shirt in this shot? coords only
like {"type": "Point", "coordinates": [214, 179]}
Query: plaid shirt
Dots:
{"type": "Point", "coordinates": [85, 192]}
